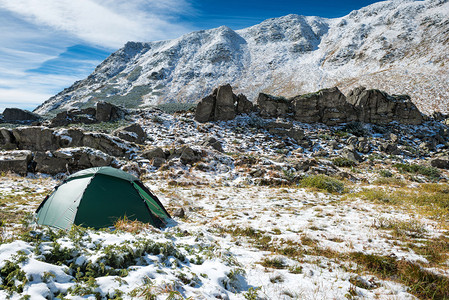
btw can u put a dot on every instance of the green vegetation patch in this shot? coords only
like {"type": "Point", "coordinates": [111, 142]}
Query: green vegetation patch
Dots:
{"type": "Point", "coordinates": [344, 162]}
{"type": "Point", "coordinates": [323, 182]}
{"type": "Point", "coordinates": [430, 172]}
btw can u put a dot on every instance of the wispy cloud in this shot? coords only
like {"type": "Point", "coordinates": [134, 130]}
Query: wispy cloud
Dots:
{"type": "Point", "coordinates": [107, 23]}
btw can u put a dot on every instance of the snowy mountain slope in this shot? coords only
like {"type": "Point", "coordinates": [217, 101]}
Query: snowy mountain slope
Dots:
{"type": "Point", "coordinates": [399, 46]}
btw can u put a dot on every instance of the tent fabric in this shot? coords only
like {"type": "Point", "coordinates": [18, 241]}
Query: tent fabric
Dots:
{"type": "Point", "coordinates": [97, 198]}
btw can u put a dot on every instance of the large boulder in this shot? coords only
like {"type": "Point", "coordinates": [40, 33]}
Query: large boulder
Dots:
{"type": "Point", "coordinates": [327, 106]}
{"type": "Point", "coordinates": [377, 107]}
{"type": "Point", "coordinates": [17, 115]}
{"type": "Point", "coordinates": [133, 133]}
{"type": "Point", "coordinates": [225, 108]}
{"type": "Point", "coordinates": [106, 112]}
{"type": "Point", "coordinates": [35, 138]}
{"type": "Point", "coordinates": [271, 106]}
{"type": "Point", "coordinates": [71, 137]}
{"type": "Point", "coordinates": [244, 106]}
{"type": "Point", "coordinates": [205, 109]}
{"type": "Point", "coordinates": [69, 160]}
{"type": "Point", "coordinates": [74, 116]}
{"type": "Point", "coordinates": [48, 163]}
{"type": "Point", "coordinates": [15, 161]}
{"type": "Point", "coordinates": [7, 140]}
{"type": "Point", "coordinates": [108, 144]}
{"type": "Point", "coordinates": [222, 104]}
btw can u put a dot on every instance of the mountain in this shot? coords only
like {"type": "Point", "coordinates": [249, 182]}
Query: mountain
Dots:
{"type": "Point", "coordinates": [400, 46]}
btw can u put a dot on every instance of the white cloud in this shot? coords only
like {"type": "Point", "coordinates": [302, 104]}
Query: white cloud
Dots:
{"type": "Point", "coordinates": [37, 31]}
{"type": "Point", "coordinates": [108, 23]}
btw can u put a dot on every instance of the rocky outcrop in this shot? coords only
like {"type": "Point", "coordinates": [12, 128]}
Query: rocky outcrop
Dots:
{"type": "Point", "coordinates": [17, 115]}
{"type": "Point", "coordinates": [222, 105]}
{"type": "Point", "coordinates": [327, 106]}
{"type": "Point", "coordinates": [15, 161]}
{"type": "Point", "coordinates": [106, 112]}
{"type": "Point", "coordinates": [7, 140]}
{"type": "Point", "coordinates": [273, 107]}
{"type": "Point", "coordinates": [35, 138]}
{"type": "Point", "coordinates": [133, 133]}
{"type": "Point", "coordinates": [70, 160]}
{"type": "Point", "coordinates": [377, 107]}
{"type": "Point", "coordinates": [108, 144]}
{"type": "Point", "coordinates": [74, 116]}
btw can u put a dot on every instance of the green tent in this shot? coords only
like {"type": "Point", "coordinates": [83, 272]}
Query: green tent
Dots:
{"type": "Point", "coordinates": [98, 197]}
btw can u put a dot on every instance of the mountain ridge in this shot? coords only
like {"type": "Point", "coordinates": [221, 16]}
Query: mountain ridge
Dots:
{"type": "Point", "coordinates": [397, 46]}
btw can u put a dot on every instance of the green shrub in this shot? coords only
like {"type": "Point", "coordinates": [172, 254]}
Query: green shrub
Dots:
{"type": "Point", "coordinates": [323, 182]}
{"type": "Point", "coordinates": [430, 172]}
{"type": "Point", "coordinates": [343, 162]}
{"type": "Point", "coordinates": [385, 173]}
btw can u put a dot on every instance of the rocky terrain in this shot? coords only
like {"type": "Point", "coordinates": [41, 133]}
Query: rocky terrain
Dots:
{"type": "Point", "coordinates": [351, 202]}
{"type": "Point", "coordinates": [398, 46]}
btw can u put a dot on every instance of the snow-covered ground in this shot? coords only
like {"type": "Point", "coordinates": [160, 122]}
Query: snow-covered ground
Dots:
{"type": "Point", "coordinates": [236, 241]}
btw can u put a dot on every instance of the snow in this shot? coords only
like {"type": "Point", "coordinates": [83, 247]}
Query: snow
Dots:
{"type": "Point", "coordinates": [396, 46]}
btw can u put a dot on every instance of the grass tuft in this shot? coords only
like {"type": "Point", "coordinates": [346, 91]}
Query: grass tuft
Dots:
{"type": "Point", "coordinates": [323, 182]}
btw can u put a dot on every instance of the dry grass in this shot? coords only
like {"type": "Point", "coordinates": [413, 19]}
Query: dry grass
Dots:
{"type": "Point", "coordinates": [430, 200]}
{"type": "Point", "coordinates": [126, 225]}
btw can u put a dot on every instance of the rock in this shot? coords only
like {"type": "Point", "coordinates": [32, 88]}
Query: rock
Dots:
{"type": "Point", "coordinates": [74, 116]}
{"type": "Point", "coordinates": [71, 137]}
{"type": "Point", "coordinates": [15, 161]}
{"type": "Point", "coordinates": [225, 104]}
{"type": "Point", "coordinates": [155, 152]}
{"type": "Point", "coordinates": [178, 212]}
{"type": "Point", "coordinates": [189, 156]}
{"type": "Point", "coordinates": [213, 143]}
{"type": "Point", "coordinates": [440, 162]}
{"type": "Point", "coordinates": [350, 154]}
{"type": "Point", "coordinates": [47, 163]}
{"type": "Point", "coordinates": [244, 106]}
{"type": "Point", "coordinates": [108, 144]}
{"type": "Point", "coordinates": [394, 138]}
{"type": "Point", "coordinates": [205, 109]}
{"type": "Point", "coordinates": [17, 115]}
{"type": "Point", "coordinates": [157, 162]}
{"type": "Point", "coordinates": [35, 138]}
{"type": "Point", "coordinates": [377, 107]}
{"type": "Point", "coordinates": [83, 158]}
{"type": "Point", "coordinates": [133, 133]}
{"type": "Point", "coordinates": [106, 112]}
{"type": "Point", "coordinates": [334, 144]}
{"type": "Point", "coordinates": [7, 140]}
{"type": "Point", "coordinates": [271, 106]}
{"type": "Point", "coordinates": [389, 148]}
{"type": "Point", "coordinates": [327, 106]}
{"type": "Point", "coordinates": [296, 134]}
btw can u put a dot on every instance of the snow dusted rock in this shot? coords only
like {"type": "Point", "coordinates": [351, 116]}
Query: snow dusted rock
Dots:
{"type": "Point", "coordinates": [70, 160]}
{"type": "Point", "coordinates": [74, 116]}
{"type": "Point", "coordinates": [326, 106]}
{"type": "Point", "coordinates": [35, 138]}
{"type": "Point", "coordinates": [225, 108]}
{"type": "Point", "coordinates": [244, 106]}
{"type": "Point", "coordinates": [108, 112]}
{"type": "Point", "coordinates": [213, 143]}
{"type": "Point", "coordinates": [271, 106]}
{"type": "Point", "coordinates": [377, 107]}
{"type": "Point", "coordinates": [17, 115]}
{"type": "Point", "coordinates": [222, 105]}
{"type": "Point", "coordinates": [111, 145]}
{"type": "Point", "coordinates": [48, 163]}
{"type": "Point", "coordinates": [7, 140]}
{"type": "Point", "coordinates": [205, 109]}
{"type": "Point", "coordinates": [133, 133]}
{"type": "Point", "coordinates": [15, 161]}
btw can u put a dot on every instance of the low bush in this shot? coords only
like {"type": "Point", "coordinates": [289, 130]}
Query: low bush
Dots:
{"type": "Point", "coordinates": [344, 162]}
{"type": "Point", "coordinates": [323, 182]}
{"type": "Point", "coordinates": [429, 172]}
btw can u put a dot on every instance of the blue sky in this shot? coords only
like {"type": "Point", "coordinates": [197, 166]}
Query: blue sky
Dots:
{"type": "Point", "coordinates": [46, 45]}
